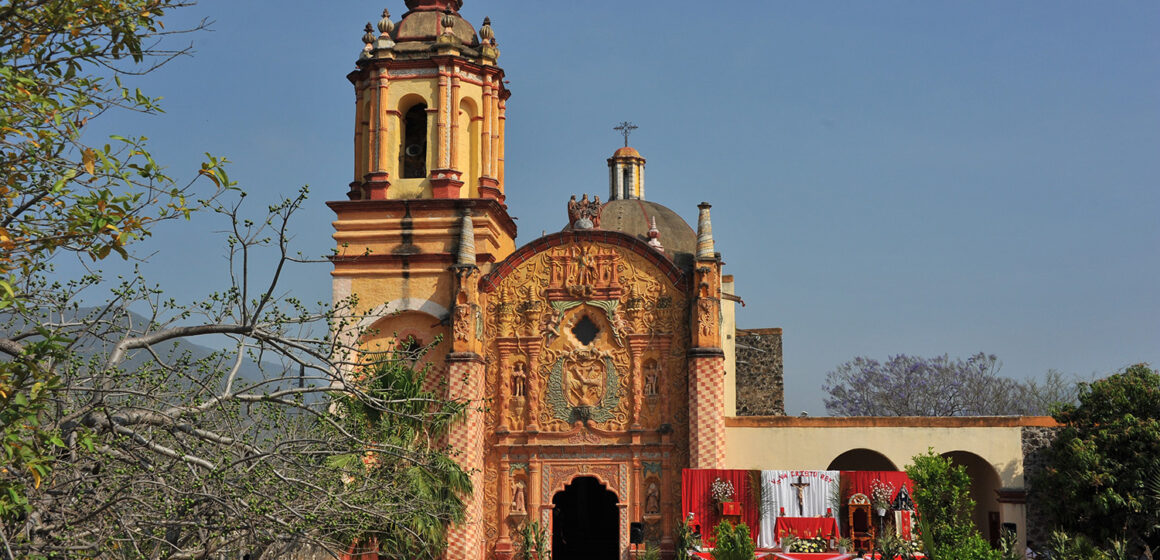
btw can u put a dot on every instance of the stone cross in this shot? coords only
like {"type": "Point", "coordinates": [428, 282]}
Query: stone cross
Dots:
{"type": "Point", "coordinates": [801, 488]}
{"type": "Point", "coordinates": [626, 128]}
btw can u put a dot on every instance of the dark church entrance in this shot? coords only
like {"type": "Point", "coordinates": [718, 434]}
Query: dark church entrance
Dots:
{"type": "Point", "coordinates": [585, 522]}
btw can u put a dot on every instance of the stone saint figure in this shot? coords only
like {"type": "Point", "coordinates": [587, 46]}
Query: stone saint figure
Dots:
{"type": "Point", "coordinates": [652, 502]}
{"type": "Point", "coordinates": [519, 500]}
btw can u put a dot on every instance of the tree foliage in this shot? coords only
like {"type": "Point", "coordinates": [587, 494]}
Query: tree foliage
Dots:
{"type": "Point", "coordinates": [942, 492]}
{"type": "Point", "coordinates": [1104, 462]}
{"type": "Point", "coordinates": [61, 66]}
{"type": "Point", "coordinates": [119, 437]}
{"type": "Point", "coordinates": [282, 438]}
{"type": "Point", "coordinates": [941, 386]}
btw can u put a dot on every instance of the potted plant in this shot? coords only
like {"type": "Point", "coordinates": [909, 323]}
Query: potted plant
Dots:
{"type": "Point", "coordinates": [844, 545]}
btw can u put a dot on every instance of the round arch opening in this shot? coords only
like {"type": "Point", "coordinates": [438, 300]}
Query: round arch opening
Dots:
{"type": "Point", "coordinates": [861, 460]}
{"type": "Point", "coordinates": [985, 484]}
{"type": "Point", "coordinates": [585, 521]}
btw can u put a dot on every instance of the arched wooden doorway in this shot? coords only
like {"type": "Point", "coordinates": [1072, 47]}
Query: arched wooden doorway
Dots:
{"type": "Point", "coordinates": [985, 484]}
{"type": "Point", "coordinates": [585, 522]}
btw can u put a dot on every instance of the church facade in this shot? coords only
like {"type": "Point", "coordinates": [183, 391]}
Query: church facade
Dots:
{"type": "Point", "coordinates": [599, 360]}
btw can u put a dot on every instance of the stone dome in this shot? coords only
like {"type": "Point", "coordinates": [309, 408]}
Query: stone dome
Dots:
{"type": "Point", "coordinates": [626, 151]}
{"type": "Point", "coordinates": [631, 216]}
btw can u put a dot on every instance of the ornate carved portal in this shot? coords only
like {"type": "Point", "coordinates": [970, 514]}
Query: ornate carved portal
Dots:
{"type": "Point", "coordinates": [586, 346]}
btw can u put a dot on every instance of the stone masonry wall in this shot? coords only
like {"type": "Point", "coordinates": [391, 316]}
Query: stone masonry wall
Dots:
{"type": "Point", "coordinates": [1035, 443]}
{"type": "Point", "coordinates": [760, 375]}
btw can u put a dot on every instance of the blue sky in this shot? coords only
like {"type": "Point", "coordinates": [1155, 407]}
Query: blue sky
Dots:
{"type": "Point", "coordinates": [887, 177]}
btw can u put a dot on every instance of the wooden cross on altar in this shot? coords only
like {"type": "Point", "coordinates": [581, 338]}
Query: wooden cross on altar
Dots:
{"type": "Point", "coordinates": [801, 488]}
{"type": "Point", "coordinates": [626, 128]}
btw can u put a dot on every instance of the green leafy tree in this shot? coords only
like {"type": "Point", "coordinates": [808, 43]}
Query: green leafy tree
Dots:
{"type": "Point", "coordinates": [942, 494]}
{"type": "Point", "coordinates": [61, 67]}
{"type": "Point", "coordinates": [120, 437]}
{"type": "Point", "coordinates": [1102, 464]}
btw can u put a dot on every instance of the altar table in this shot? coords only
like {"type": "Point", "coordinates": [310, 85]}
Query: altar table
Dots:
{"type": "Point", "coordinates": [806, 527]}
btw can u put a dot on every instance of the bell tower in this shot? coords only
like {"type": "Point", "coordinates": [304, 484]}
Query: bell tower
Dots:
{"type": "Point", "coordinates": [429, 108]}
{"type": "Point", "coordinates": [425, 216]}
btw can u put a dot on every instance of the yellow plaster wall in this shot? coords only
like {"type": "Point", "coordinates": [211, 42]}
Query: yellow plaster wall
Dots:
{"type": "Point", "coordinates": [374, 292]}
{"type": "Point", "coordinates": [815, 447]}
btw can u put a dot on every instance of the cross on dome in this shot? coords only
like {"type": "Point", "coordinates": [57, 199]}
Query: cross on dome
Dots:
{"type": "Point", "coordinates": [625, 128]}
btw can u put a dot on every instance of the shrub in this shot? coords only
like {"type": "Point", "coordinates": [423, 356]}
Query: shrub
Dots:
{"type": "Point", "coordinates": [733, 543]}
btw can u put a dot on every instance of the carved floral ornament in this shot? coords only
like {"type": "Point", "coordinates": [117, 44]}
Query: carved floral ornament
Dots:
{"type": "Point", "coordinates": [560, 326]}
{"type": "Point", "coordinates": [583, 330]}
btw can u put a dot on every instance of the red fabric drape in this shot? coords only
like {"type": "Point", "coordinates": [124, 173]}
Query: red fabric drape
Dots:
{"type": "Point", "coordinates": [855, 482]}
{"type": "Point", "coordinates": [696, 498]}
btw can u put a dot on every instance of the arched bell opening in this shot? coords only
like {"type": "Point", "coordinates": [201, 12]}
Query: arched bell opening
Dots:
{"type": "Point", "coordinates": [413, 152]}
{"type": "Point", "coordinates": [585, 521]}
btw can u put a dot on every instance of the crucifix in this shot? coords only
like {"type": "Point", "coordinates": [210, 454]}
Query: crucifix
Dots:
{"type": "Point", "coordinates": [625, 128]}
{"type": "Point", "coordinates": [801, 488]}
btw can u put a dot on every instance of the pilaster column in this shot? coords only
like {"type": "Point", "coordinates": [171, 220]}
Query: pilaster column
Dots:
{"type": "Point", "coordinates": [706, 408]}
{"type": "Point", "coordinates": [360, 133]}
{"type": "Point", "coordinates": [532, 391]}
{"type": "Point", "coordinates": [376, 180]}
{"type": "Point", "coordinates": [453, 116]}
{"type": "Point", "coordinates": [504, 395]}
{"type": "Point", "coordinates": [636, 489]}
{"type": "Point", "coordinates": [465, 377]}
{"type": "Point", "coordinates": [505, 503]}
{"type": "Point", "coordinates": [637, 345]}
{"type": "Point", "coordinates": [485, 126]}
{"type": "Point", "coordinates": [499, 174]}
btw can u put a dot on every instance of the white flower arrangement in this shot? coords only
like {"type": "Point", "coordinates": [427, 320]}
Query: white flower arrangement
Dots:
{"type": "Point", "coordinates": [881, 494]}
{"type": "Point", "coordinates": [721, 490]}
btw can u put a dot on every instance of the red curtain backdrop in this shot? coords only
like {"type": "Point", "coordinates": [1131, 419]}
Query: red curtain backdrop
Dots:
{"type": "Point", "coordinates": [696, 498]}
{"type": "Point", "coordinates": [854, 482]}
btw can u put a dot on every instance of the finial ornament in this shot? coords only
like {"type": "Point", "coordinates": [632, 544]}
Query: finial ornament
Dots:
{"type": "Point", "coordinates": [654, 235]}
{"type": "Point", "coordinates": [466, 253]}
{"type": "Point", "coordinates": [625, 128]}
{"type": "Point", "coordinates": [448, 21]}
{"type": "Point", "coordinates": [386, 26]}
{"type": "Point", "coordinates": [705, 249]}
{"type": "Point", "coordinates": [368, 39]}
{"type": "Point", "coordinates": [486, 34]}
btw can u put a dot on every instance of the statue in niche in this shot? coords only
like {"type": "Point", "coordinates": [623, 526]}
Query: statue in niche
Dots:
{"type": "Point", "coordinates": [585, 264]}
{"type": "Point", "coordinates": [519, 379]}
{"type": "Point", "coordinates": [651, 378]}
{"type": "Point", "coordinates": [519, 498]}
{"type": "Point", "coordinates": [652, 500]}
